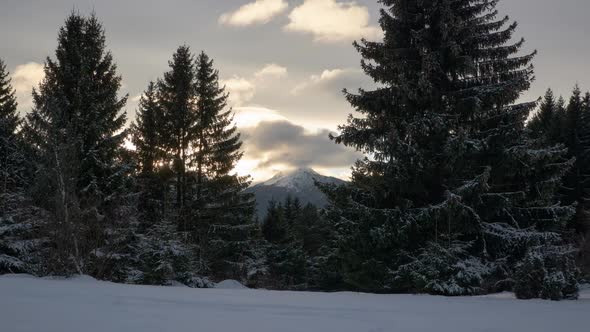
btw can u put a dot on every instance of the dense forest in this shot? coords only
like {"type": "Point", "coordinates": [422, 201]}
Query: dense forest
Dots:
{"type": "Point", "coordinates": [464, 190]}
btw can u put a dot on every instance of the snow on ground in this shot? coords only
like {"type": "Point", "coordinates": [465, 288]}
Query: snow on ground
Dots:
{"type": "Point", "coordinates": [83, 305]}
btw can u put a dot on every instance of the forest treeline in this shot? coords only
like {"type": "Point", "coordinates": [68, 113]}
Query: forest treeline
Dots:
{"type": "Point", "coordinates": [459, 193]}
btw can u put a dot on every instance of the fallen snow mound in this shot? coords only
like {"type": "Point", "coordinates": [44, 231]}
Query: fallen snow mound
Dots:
{"type": "Point", "coordinates": [230, 284]}
{"type": "Point", "coordinates": [83, 279]}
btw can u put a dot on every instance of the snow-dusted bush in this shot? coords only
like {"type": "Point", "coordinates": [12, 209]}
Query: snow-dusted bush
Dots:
{"type": "Point", "coordinates": [547, 272]}
{"type": "Point", "coordinates": [443, 271]}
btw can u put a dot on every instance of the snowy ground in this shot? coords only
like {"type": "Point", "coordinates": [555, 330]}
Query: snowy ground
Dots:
{"type": "Point", "coordinates": [85, 305]}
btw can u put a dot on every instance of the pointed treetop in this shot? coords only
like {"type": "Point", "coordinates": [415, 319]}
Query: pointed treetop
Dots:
{"type": "Point", "coordinates": [9, 120]}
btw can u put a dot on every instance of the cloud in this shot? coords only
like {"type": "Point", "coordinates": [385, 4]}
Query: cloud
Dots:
{"type": "Point", "coordinates": [330, 80]}
{"type": "Point", "coordinates": [284, 143]}
{"type": "Point", "coordinates": [257, 12]}
{"type": "Point", "coordinates": [331, 21]}
{"type": "Point", "coordinates": [252, 116]}
{"type": "Point", "coordinates": [24, 78]}
{"type": "Point", "coordinates": [271, 70]}
{"type": "Point", "coordinates": [240, 90]}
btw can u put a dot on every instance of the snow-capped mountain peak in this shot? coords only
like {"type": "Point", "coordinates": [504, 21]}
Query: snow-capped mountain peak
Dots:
{"type": "Point", "coordinates": [299, 183]}
{"type": "Point", "coordinates": [297, 179]}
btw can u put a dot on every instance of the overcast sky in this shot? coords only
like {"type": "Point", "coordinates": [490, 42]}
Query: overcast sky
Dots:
{"type": "Point", "coordinates": [285, 62]}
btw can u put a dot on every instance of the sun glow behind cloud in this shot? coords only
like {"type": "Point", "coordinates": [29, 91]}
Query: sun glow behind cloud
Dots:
{"type": "Point", "coordinates": [330, 21]}
{"type": "Point", "coordinates": [24, 78]}
{"type": "Point", "coordinates": [252, 116]}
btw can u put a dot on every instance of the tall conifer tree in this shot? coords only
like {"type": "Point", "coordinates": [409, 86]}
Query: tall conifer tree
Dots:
{"type": "Point", "coordinates": [221, 210]}
{"type": "Point", "coordinates": [178, 101]}
{"type": "Point", "coordinates": [20, 241]}
{"type": "Point", "coordinates": [147, 130]}
{"type": "Point", "coordinates": [576, 182]}
{"type": "Point", "coordinates": [545, 123]}
{"type": "Point", "coordinates": [9, 123]}
{"type": "Point", "coordinates": [77, 127]}
{"type": "Point", "coordinates": [439, 202]}
{"type": "Point", "coordinates": [149, 136]}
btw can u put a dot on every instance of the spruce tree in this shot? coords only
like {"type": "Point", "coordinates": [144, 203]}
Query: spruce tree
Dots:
{"type": "Point", "coordinates": [576, 185]}
{"type": "Point", "coordinates": [570, 127]}
{"type": "Point", "coordinates": [274, 228]}
{"type": "Point", "coordinates": [147, 131]}
{"type": "Point", "coordinates": [162, 257]}
{"type": "Point", "coordinates": [77, 128]}
{"type": "Point", "coordinates": [451, 195]}
{"type": "Point", "coordinates": [222, 214]}
{"type": "Point", "coordinates": [576, 181]}
{"type": "Point", "coordinates": [292, 208]}
{"type": "Point", "coordinates": [21, 242]}
{"type": "Point", "coordinates": [176, 94]}
{"type": "Point", "coordinates": [582, 224]}
{"type": "Point", "coordinates": [149, 137]}
{"type": "Point", "coordinates": [9, 123]}
{"type": "Point", "coordinates": [544, 123]}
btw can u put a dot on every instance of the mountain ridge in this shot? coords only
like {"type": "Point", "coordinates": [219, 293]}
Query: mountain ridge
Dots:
{"type": "Point", "coordinates": [299, 183]}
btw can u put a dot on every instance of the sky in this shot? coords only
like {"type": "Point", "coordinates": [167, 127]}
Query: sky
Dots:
{"type": "Point", "coordinates": [284, 62]}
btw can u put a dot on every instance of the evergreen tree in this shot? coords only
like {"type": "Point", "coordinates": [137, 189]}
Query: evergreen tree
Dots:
{"type": "Point", "coordinates": [222, 214]}
{"type": "Point", "coordinates": [576, 186]}
{"type": "Point", "coordinates": [296, 252]}
{"type": "Point", "coordinates": [274, 227]}
{"type": "Point", "coordinates": [148, 136]}
{"type": "Point", "coordinates": [570, 127]}
{"type": "Point", "coordinates": [576, 180]}
{"type": "Point", "coordinates": [21, 243]}
{"type": "Point", "coordinates": [545, 123]}
{"type": "Point", "coordinates": [177, 99]}
{"type": "Point", "coordinates": [310, 229]}
{"type": "Point", "coordinates": [452, 195]}
{"type": "Point", "coordinates": [292, 210]}
{"type": "Point", "coordinates": [163, 258]}
{"type": "Point", "coordinates": [77, 128]}
{"type": "Point", "coordinates": [9, 123]}
{"type": "Point", "coordinates": [582, 224]}
{"type": "Point", "coordinates": [560, 126]}
{"type": "Point", "coordinates": [147, 131]}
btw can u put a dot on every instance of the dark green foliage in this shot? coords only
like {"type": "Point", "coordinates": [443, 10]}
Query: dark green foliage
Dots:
{"type": "Point", "coordinates": [10, 156]}
{"type": "Point", "coordinates": [9, 120]}
{"type": "Point", "coordinates": [76, 127]}
{"type": "Point", "coordinates": [575, 134]}
{"type": "Point", "coordinates": [452, 193]}
{"type": "Point", "coordinates": [176, 97]}
{"type": "Point", "coordinates": [298, 254]}
{"type": "Point", "coordinates": [570, 126]}
{"type": "Point", "coordinates": [548, 121]}
{"type": "Point", "coordinates": [444, 271]}
{"type": "Point", "coordinates": [548, 273]}
{"type": "Point", "coordinates": [284, 258]}
{"type": "Point", "coordinates": [23, 245]}
{"type": "Point", "coordinates": [222, 214]}
{"type": "Point", "coordinates": [163, 258]}
{"type": "Point", "coordinates": [184, 133]}
{"type": "Point", "coordinates": [311, 228]}
{"type": "Point", "coordinates": [147, 132]}
{"type": "Point", "coordinates": [274, 226]}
